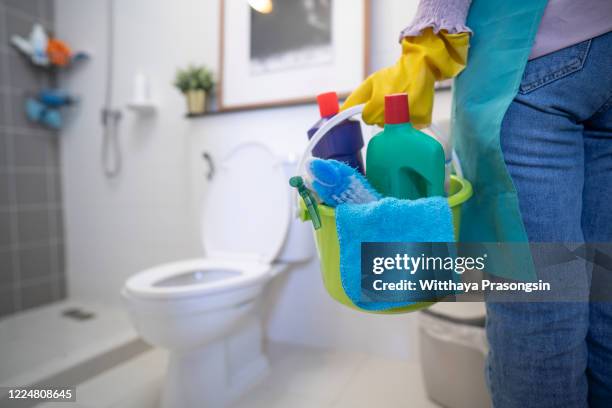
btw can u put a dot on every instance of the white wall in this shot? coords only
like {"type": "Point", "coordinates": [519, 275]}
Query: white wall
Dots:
{"type": "Point", "coordinates": [117, 227]}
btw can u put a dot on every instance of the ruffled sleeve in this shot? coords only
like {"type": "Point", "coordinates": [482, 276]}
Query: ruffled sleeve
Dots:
{"type": "Point", "coordinates": [449, 15]}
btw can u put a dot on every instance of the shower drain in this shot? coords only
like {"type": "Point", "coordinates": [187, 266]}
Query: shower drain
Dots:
{"type": "Point", "coordinates": [76, 313]}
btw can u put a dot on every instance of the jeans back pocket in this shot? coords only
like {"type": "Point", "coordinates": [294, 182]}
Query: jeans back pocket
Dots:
{"type": "Point", "coordinates": [548, 68]}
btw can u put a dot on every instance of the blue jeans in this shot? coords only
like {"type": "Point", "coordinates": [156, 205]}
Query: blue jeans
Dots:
{"type": "Point", "coordinates": [557, 143]}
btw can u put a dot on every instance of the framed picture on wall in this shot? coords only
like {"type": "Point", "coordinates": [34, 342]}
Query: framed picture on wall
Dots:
{"type": "Point", "coordinates": [283, 52]}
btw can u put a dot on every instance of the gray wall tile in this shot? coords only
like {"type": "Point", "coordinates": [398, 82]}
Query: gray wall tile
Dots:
{"type": "Point", "coordinates": [31, 149]}
{"type": "Point", "coordinates": [34, 226]}
{"type": "Point", "coordinates": [6, 268]}
{"type": "Point", "coordinates": [30, 7]}
{"type": "Point", "coordinates": [4, 188]}
{"type": "Point", "coordinates": [48, 11]}
{"type": "Point", "coordinates": [56, 224]}
{"type": "Point", "coordinates": [5, 228]}
{"type": "Point", "coordinates": [18, 117]}
{"type": "Point", "coordinates": [4, 75]}
{"type": "Point", "coordinates": [32, 165]}
{"type": "Point", "coordinates": [37, 294]}
{"type": "Point", "coordinates": [31, 188]}
{"type": "Point", "coordinates": [62, 287]}
{"type": "Point", "coordinates": [3, 148]}
{"type": "Point", "coordinates": [54, 179]}
{"type": "Point", "coordinates": [14, 106]}
{"type": "Point", "coordinates": [16, 22]}
{"type": "Point", "coordinates": [35, 263]}
{"type": "Point", "coordinates": [60, 254]}
{"type": "Point", "coordinates": [24, 75]}
{"type": "Point", "coordinates": [3, 37]}
{"type": "Point", "coordinates": [53, 152]}
{"type": "Point", "coordinates": [4, 117]}
{"type": "Point", "coordinates": [6, 302]}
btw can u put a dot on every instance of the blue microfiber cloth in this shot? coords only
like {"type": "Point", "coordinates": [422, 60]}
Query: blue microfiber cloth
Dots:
{"type": "Point", "coordinates": [387, 220]}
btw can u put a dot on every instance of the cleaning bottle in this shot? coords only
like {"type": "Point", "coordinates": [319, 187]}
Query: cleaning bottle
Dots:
{"type": "Point", "coordinates": [344, 141]}
{"type": "Point", "coordinates": [402, 161]}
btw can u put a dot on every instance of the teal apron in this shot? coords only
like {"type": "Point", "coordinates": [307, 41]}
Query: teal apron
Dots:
{"type": "Point", "coordinates": [504, 31]}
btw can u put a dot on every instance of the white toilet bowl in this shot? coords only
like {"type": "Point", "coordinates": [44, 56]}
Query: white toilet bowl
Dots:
{"type": "Point", "coordinates": [205, 311]}
{"type": "Point", "coordinates": [188, 304]}
{"type": "Point", "coordinates": [193, 309]}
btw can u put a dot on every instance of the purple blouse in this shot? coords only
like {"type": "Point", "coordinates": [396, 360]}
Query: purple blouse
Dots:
{"type": "Point", "coordinates": [565, 22]}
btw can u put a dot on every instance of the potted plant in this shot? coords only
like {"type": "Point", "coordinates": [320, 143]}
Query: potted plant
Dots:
{"type": "Point", "coordinates": [195, 82]}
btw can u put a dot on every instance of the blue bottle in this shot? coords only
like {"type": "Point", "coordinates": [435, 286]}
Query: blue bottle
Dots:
{"type": "Point", "coordinates": [344, 142]}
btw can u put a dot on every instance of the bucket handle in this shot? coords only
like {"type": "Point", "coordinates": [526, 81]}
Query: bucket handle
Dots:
{"type": "Point", "coordinates": [342, 116]}
{"type": "Point", "coordinates": [455, 162]}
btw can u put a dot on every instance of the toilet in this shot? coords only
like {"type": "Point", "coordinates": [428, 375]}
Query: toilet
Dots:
{"type": "Point", "coordinates": [205, 311]}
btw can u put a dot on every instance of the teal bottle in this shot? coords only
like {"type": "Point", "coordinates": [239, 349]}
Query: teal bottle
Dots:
{"type": "Point", "coordinates": [402, 161]}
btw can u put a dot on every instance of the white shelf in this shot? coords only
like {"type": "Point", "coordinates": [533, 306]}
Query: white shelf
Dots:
{"type": "Point", "coordinates": [146, 108]}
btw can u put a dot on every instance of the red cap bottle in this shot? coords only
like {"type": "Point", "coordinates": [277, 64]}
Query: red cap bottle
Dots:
{"type": "Point", "coordinates": [328, 104]}
{"type": "Point", "coordinates": [396, 109]}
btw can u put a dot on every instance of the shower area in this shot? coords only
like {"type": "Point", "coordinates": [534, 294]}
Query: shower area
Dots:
{"type": "Point", "coordinates": [72, 227]}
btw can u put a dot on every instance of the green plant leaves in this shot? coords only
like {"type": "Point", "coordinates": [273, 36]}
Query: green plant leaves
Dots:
{"type": "Point", "coordinates": [194, 78]}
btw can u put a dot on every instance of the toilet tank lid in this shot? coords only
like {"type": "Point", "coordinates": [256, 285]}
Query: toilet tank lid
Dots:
{"type": "Point", "coordinates": [245, 210]}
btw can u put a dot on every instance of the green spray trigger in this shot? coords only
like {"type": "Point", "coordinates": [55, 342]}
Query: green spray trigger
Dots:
{"type": "Point", "coordinates": [309, 200]}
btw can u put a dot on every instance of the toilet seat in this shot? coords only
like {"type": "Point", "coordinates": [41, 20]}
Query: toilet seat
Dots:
{"type": "Point", "coordinates": [244, 223]}
{"type": "Point", "coordinates": [215, 276]}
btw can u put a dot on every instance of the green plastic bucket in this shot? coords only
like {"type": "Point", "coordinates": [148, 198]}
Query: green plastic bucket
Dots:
{"type": "Point", "coordinates": [460, 190]}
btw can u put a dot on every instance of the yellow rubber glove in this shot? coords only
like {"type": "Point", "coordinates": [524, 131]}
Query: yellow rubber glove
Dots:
{"type": "Point", "coordinates": [425, 59]}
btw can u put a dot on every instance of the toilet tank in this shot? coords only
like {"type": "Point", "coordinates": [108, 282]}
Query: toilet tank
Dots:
{"type": "Point", "coordinates": [299, 245]}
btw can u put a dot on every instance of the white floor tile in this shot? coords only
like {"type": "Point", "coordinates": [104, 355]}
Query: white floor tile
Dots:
{"type": "Point", "coordinates": [146, 396]}
{"type": "Point", "coordinates": [42, 341]}
{"type": "Point", "coordinates": [267, 396]}
{"type": "Point", "coordinates": [300, 377]}
{"type": "Point", "coordinates": [60, 405]}
{"type": "Point", "coordinates": [128, 381]}
{"type": "Point", "coordinates": [313, 372]}
{"type": "Point", "coordinates": [385, 383]}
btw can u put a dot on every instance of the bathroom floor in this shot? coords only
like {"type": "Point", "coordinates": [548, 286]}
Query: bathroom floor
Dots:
{"type": "Point", "coordinates": [40, 342]}
{"type": "Point", "coordinates": [300, 377]}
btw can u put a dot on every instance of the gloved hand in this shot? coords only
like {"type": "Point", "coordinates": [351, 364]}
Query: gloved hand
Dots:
{"type": "Point", "coordinates": [425, 59]}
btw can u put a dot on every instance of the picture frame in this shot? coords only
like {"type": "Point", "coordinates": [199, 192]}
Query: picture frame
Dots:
{"type": "Point", "coordinates": [285, 59]}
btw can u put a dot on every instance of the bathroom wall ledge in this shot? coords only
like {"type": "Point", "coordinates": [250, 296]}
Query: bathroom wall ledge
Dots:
{"type": "Point", "coordinates": [443, 93]}
{"type": "Point", "coordinates": [215, 112]}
